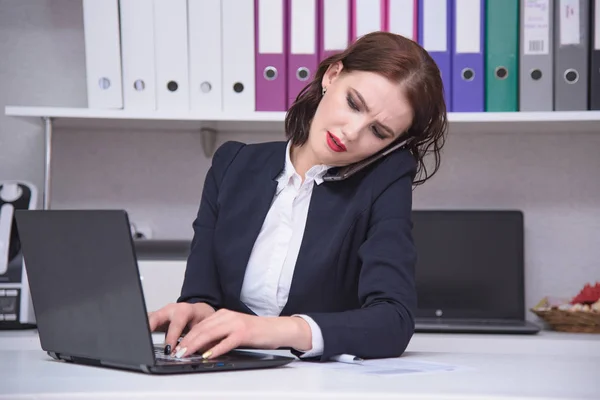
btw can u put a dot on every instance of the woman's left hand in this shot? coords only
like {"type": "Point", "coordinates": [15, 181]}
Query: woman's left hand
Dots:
{"type": "Point", "coordinates": [226, 330]}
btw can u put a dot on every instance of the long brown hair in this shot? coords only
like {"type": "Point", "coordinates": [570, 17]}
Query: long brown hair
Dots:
{"type": "Point", "coordinates": [398, 59]}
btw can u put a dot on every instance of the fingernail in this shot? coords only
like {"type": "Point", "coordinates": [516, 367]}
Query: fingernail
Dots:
{"type": "Point", "coordinates": [207, 354]}
{"type": "Point", "coordinates": [180, 352]}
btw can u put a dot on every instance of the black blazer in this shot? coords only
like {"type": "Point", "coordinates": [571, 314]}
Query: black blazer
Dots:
{"type": "Point", "coordinates": [355, 270]}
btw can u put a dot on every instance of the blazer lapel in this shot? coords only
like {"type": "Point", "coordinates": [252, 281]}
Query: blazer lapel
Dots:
{"type": "Point", "coordinates": [257, 193]}
{"type": "Point", "coordinates": [311, 249]}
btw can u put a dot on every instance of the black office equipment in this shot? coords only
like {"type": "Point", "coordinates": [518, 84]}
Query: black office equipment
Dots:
{"type": "Point", "coordinates": [470, 271]}
{"type": "Point", "coordinates": [88, 298]}
{"type": "Point", "coordinates": [16, 308]}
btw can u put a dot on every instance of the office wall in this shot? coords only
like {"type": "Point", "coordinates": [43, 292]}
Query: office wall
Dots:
{"type": "Point", "coordinates": [157, 175]}
{"type": "Point", "coordinates": [41, 63]}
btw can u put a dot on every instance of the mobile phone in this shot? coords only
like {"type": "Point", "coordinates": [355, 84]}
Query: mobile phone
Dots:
{"type": "Point", "coordinates": [349, 170]}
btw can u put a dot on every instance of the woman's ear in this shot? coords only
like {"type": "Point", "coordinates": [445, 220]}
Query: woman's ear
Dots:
{"type": "Point", "coordinates": [332, 73]}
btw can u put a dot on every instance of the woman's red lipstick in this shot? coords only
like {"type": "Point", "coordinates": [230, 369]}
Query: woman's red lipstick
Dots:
{"type": "Point", "coordinates": [335, 143]}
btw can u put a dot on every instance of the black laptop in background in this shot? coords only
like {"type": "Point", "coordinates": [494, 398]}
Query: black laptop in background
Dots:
{"type": "Point", "coordinates": [88, 299]}
{"type": "Point", "coordinates": [470, 271]}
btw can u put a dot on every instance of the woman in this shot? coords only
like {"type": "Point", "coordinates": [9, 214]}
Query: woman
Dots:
{"type": "Point", "coordinates": [283, 256]}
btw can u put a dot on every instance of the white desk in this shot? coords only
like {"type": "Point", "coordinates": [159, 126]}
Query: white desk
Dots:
{"type": "Point", "coordinates": [549, 365]}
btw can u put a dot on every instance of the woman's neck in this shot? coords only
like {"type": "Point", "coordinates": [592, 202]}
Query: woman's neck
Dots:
{"type": "Point", "coordinates": [302, 159]}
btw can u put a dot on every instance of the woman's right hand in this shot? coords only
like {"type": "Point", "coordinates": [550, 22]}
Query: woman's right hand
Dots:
{"type": "Point", "coordinates": [174, 318]}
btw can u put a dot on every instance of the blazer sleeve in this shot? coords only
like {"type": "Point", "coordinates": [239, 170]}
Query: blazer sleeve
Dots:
{"type": "Point", "coordinates": [201, 280]}
{"type": "Point", "coordinates": [384, 324]}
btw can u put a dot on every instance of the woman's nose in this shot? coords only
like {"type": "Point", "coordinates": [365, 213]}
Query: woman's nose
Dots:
{"type": "Point", "coordinates": [352, 130]}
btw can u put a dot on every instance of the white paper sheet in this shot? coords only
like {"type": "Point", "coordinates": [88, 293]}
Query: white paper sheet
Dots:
{"type": "Point", "coordinates": [387, 366]}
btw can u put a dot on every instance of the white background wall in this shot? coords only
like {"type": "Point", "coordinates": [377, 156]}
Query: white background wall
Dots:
{"type": "Point", "coordinates": [158, 175]}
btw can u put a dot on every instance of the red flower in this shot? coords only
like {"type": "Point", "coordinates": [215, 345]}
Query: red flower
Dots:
{"type": "Point", "coordinates": [588, 295]}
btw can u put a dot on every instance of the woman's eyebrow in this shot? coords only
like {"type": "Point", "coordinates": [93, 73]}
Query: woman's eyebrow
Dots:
{"type": "Point", "coordinates": [361, 99]}
{"type": "Point", "coordinates": [364, 104]}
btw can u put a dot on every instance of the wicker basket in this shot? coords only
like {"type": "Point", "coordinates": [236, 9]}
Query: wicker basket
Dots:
{"type": "Point", "coordinates": [570, 321]}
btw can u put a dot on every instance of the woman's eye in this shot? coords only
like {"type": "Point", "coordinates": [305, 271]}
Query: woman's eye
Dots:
{"type": "Point", "coordinates": [377, 133]}
{"type": "Point", "coordinates": [351, 103]}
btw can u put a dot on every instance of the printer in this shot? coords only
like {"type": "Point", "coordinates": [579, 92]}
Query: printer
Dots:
{"type": "Point", "coordinates": [16, 308]}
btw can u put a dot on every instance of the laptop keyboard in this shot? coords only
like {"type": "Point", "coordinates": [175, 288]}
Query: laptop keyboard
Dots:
{"type": "Point", "coordinates": [161, 357]}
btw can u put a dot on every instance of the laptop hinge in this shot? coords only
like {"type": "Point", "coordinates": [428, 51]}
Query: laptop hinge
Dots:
{"type": "Point", "coordinates": [141, 367]}
{"type": "Point", "coordinates": [89, 361]}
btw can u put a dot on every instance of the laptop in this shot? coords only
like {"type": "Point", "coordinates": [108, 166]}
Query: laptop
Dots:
{"type": "Point", "coordinates": [470, 271]}
{"type": "Point", "coordinates": [88, 298]}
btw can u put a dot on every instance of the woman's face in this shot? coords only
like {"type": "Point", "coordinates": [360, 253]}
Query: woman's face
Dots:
{"type": "Point", "coordinates": [360, 114]}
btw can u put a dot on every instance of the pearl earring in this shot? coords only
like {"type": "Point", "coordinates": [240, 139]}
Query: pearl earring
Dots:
{"type": "Point", "coordinates": [324, 90]}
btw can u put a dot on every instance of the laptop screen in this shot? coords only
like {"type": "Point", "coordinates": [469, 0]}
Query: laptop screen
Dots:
{"type": "Point", "coordinates": [85, 284]}
{"type": "Point", "coordinates": [470, 263]}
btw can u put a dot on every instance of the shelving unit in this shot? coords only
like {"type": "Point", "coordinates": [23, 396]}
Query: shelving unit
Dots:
{"type": "Point", "coordinates": [208, 125]}
{"type": "Point", "coordinates": [77, 114]}
{"type": "Point", "coordinates": [554, 121]}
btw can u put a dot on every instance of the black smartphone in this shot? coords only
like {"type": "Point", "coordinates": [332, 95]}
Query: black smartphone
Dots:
{"type": "Point", "coordinates": [347, 171]}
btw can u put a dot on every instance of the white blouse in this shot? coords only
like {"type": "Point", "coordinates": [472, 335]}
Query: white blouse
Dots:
{"type": "Point", "coordinates": [271, 265]}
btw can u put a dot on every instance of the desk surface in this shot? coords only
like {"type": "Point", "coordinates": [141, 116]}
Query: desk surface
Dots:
{"type": "Point", "coordinates": [490, 367]}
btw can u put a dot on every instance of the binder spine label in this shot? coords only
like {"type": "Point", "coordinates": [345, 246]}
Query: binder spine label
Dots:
{"type": "Point", "coordinates": [569, 22]}
{"type": "Point", "coordinates": [536, 24]}
{"type": "Point", "coordinates": [335, 24]}
{"type": "Point", "coordinates": [303, 27]}
{"type": "Point", "coordinates": [435, 26]}
{"type": "Point", "coordinates": [270, 26]}
{"type": "Point", "coordinates": [468, 24]}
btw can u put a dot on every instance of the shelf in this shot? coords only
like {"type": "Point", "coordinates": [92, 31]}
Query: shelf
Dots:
{"type": "Point", "coordinates": [553, 121]}
{"type": "Point", "coordinates": [87, 113]}
{"type": "Point", "coordinates": [99, 118]}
